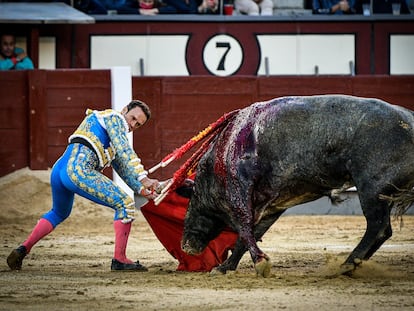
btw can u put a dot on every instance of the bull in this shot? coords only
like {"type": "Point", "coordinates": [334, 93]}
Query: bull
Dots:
{"type": "Point", "coordinates": [277, 154]}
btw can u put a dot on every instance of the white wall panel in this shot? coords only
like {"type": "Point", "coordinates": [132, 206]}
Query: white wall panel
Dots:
{"type": "Point", "coordinates": [402, 54]}
{"type": "Point", "coordinates": [299, 54]}
{"type": "Point", "coordinates": [161, 55]}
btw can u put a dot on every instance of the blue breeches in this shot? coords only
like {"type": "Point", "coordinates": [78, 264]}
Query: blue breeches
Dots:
{"type": "Point", "coordinates": [76, 172]}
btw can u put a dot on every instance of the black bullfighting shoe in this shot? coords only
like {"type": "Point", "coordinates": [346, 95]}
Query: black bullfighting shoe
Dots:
{"type": "Point", "coordinates": [120, 266]}
{"type": "Point", "coordinates": [16, 257]}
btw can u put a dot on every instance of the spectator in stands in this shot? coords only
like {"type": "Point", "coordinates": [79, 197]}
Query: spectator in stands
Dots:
{"type": "Point", "coordinates": [149, 7]}
{"type": "Point", "coordinates": [183, 6]}
{"type": "Point", "coordinates": [334, 7]}
{"type": "Point", "coordinates": [96, 7]}
{"type": "Point", "coordinates": [254, 7]}
{"type": "Point", "coordinates": [146, 7]}
{"type": "Point", "coordinates": [208, 7]}
{"type": "Point", "coordinates": [154, 7]}
{"type": "Point", "coordinates": [12, 57]}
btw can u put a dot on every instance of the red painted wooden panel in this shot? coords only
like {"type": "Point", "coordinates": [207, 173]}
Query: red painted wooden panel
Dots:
{"type": "Point", "coordinates": [13, 121]}
{"type": "Point", "coordinates": [68, 94]}
{"type": "Point", "coordinates": [181, 107]}
{"type": "Point", "coordinates": [13, 152]}
{"type": "Point", "coordinates": [37, 120]}
{"type": "Point", "coordinates": [58, 136]}
{"type": "Point", "coordinates": [397, 90]}
{"type": "Point", "coordinates": [147, 139]}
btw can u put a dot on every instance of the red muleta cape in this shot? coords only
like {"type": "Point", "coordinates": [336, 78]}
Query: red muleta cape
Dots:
{"type": "Point", "coordinates": [167, 222]}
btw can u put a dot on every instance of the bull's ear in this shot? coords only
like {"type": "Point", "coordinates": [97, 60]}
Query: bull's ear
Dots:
{"type": "Point", "coordinates": [186, 189]}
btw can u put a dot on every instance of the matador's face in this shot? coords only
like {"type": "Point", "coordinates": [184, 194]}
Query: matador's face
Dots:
{"type": "Point", "coordinates": [135, 118]}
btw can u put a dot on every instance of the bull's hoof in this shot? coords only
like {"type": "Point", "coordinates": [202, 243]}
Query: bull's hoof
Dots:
{"type": "Point", "coordinates": [346, 269]}
{"type": "Point", "coordinates": [217, 271]}
{"type": "Point", "coordinates": [263, 267]}
{"type": "Point", "coordinates": [349, 268]}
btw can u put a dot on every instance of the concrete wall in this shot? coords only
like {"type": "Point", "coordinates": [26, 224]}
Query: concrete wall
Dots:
{"type": "Point", "coordinates": [323, 206]}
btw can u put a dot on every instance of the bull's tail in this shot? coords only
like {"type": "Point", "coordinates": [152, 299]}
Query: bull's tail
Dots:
{"type": "Point", "coordinates": [189, 166]}
{"type": "Point", "coordinates": [400, 201]}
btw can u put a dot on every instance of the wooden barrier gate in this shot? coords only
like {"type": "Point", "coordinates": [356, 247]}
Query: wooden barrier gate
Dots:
{"type": "Point", "coordinates": [41, 108]}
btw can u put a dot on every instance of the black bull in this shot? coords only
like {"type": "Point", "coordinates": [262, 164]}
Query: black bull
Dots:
{"type": "Point", "coordinates": [277, 154]}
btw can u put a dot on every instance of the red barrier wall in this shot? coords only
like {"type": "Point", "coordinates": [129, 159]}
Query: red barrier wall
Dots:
{"type": "Point", "coordinates": [39, 109]}
{"type": "Point", "coordinates": [14, 115]}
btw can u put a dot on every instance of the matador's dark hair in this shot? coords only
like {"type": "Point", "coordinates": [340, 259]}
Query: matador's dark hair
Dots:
{"type": "Point", "coordinates": [137, 103]}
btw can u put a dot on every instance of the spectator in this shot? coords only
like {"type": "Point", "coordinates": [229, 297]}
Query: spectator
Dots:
{"type": "Point", "coordinates": [154, 7]}
{"type": "Point", "coordinates": [12, 57]}
{"type": "Point", "coordinates": [96, 7]}
{"type": "Point", "coordinates": [146, 7]}
{"type": "Point", "coordinates": [183, 6]}
{"type": "Point", "coordinates": [254, 7]}
{"type": "Point", "coordinates": [334, 7]}
{"type": "Point", "coordinates": [208, 7]}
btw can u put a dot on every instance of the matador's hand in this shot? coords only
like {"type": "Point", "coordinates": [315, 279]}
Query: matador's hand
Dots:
{"type": "Point", "coordinates": [150, 184]}
{"type": "Point", "coordinates": [150, 195]}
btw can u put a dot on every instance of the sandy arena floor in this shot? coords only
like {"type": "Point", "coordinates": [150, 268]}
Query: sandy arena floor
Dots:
{"type": "Point", "coordinates": [70, 269]}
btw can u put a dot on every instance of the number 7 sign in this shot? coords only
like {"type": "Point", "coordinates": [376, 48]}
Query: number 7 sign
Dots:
{"type": "Point", "coordinates": [222, 55]}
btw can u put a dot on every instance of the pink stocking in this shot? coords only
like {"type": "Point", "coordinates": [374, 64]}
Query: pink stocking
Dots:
{"type": "Point", "coordinates": [121, 240]}
{"type": "Point", "coordinates": [42, 228]}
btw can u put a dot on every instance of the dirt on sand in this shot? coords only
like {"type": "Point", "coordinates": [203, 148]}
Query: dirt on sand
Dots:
{"type": "Point", "coordinates": [70, 269]}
